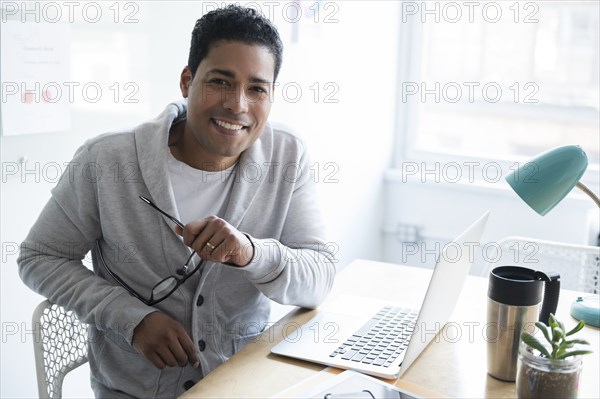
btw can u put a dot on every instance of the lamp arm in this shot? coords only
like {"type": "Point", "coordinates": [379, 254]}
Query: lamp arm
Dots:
{"type": "Point", "coordinates": [589, 192]}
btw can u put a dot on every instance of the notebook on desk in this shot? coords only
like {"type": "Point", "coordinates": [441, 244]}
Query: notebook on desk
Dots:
{"type": "Point", "coordinates": [385, 339]}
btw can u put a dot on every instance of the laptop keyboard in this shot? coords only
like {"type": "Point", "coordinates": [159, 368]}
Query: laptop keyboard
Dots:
{"type": "Point", "coordinates": [382, 339]}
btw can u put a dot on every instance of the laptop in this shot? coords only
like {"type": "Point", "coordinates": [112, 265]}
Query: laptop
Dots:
{"type": "Point", "coordinates": [382, 339]}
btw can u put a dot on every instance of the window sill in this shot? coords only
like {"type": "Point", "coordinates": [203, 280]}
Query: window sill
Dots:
{"type": "Point", "coordinates": [480, 186]}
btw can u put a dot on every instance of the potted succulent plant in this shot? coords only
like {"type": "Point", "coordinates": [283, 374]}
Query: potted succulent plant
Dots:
{"type": "Point", "coordinates": [550, 369]}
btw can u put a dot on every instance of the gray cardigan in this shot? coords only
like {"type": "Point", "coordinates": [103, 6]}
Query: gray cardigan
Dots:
{"type": "Point", "coordinates": [272, 200]}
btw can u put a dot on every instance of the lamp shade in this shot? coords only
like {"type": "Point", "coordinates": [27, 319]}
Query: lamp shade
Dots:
{"type": "Point", "coordinates": [544, 181]}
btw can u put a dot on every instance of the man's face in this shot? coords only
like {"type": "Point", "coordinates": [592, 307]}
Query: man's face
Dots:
{"type": "Point", "coordinates": [229, 100]}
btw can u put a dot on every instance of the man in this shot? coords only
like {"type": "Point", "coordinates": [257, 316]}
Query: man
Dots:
{"type": "Point", "coordinates": [167, 304]}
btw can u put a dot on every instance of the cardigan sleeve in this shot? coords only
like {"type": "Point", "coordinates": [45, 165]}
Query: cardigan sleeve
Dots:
{"type": "Point", "coordinates": [51, 257]}
{"type": "Point", "coordinates": [299, 267]}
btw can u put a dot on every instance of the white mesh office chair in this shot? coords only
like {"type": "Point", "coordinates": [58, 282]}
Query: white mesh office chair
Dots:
{"type": "Point", "coordinates": [578, 265]}
{"type": "Point", "coordinates": [60, 346]}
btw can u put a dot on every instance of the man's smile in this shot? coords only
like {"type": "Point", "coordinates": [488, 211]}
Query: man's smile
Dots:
{"type": "Point", "coordinates": [228, 128]}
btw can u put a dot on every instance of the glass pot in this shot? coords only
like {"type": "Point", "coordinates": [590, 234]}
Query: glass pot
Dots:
{"type": "Point", "coordinates": [540, 377]}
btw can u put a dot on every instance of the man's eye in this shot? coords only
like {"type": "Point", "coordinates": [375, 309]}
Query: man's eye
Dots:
{"type": "Point", "coordinates": [258, 89]}
{"type": "Point", "coordinates": [219, 82]}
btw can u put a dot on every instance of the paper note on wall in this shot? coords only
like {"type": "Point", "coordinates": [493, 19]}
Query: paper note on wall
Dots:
{"type": "Point", "coordinates": [35, 70]}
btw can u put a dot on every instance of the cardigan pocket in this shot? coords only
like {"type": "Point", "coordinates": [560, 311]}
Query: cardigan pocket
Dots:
{"type": "Point", "coordinates": [118, 365]}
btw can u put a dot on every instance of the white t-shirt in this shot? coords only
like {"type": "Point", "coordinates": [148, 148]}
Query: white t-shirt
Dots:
{"type": "Point", "coordinates": [199, 193]}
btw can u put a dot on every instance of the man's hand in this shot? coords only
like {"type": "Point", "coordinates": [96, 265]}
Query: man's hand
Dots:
{"type": "Point", "coordinates": [216, 240]}
{"type": "Point", "coordinates": [164, 342]}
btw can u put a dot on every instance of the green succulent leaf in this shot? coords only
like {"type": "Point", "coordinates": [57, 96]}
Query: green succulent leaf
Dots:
{"type": "Point", "coordinates": [534, 343]}
{"type": "Point", "coordinates": [560, 352]}
{"type": "Point", "coordinates": [556, 334]}
{"type": "Point", "coordinates": [577, 342]}
{"type": "Point", "coordinates": [577, 328]}
{"type": "Point", "coordinates": [562, 329]}
{"type": "Point", "coordinates": [573, 353]}
{"type": "Point", "coordinates": [544, 329]}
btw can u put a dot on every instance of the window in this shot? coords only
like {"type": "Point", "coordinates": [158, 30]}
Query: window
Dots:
{"type": "Point", "coordinates": [501, 80]}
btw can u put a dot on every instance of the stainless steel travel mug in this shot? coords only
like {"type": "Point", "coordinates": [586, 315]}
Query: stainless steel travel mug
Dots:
{"type": "Point", "coordinates": [514, 297]}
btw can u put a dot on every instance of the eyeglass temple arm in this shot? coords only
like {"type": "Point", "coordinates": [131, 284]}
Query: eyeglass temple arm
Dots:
{"type": "Point", "coordinates": [171, 218]}
{"type": "Point", "coordinates": [117, 278]}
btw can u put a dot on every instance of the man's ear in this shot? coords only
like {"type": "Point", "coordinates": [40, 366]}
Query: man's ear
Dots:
{"type": "Point", "coordinates": [185, 81]}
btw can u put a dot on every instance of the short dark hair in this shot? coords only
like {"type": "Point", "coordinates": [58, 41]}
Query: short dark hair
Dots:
{"type": "Point", "coordinates": [234, 23]}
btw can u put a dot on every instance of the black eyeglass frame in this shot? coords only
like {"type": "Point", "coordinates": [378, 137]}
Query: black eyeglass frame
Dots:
{"type": "Point", "coordinates": [152, 301]}
{"type": "Point", "coordinates": [178, 281]}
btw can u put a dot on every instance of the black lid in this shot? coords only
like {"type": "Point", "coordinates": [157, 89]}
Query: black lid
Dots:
{"type": "Point", "coordinates": [514, 285]}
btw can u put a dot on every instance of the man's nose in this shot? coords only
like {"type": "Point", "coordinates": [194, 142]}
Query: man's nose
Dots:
{"type": "Point", "coordinates": [235, 100]}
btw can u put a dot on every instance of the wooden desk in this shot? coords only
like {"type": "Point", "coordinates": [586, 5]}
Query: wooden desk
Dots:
{"type": "Point", "coordinates": [454, 364]}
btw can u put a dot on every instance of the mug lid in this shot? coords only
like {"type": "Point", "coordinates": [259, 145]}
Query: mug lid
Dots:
{"type": "Point", "coordinates": [515, 285]}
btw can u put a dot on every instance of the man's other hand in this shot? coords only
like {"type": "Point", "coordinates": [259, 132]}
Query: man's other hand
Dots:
{"type": "Point", "coordinates": [164, 342]}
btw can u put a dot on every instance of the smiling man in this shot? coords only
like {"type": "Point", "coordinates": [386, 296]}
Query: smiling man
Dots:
{"type": "Point", "coordinates": [229, 100]}
{"type": "Point", "coordinates": [183, 279]}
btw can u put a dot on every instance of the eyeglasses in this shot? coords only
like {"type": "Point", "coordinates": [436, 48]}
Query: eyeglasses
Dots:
{"type": "Point", "coordinates": [164, 288]}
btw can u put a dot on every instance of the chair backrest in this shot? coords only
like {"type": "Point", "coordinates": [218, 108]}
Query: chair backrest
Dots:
{"type": "Point", "coordinates": [60, 345]}
{"type": "Point", "coordinates": [578, 265]}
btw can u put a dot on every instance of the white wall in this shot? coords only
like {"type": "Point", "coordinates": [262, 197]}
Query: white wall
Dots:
{"type": "Point", "coordinates": [350, 141]}
{"type": "Point", "coordinates": [434, 213]}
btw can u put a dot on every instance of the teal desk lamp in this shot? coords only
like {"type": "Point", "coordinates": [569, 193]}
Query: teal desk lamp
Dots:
{"type": "Point", "coordinates": [542, 183]}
